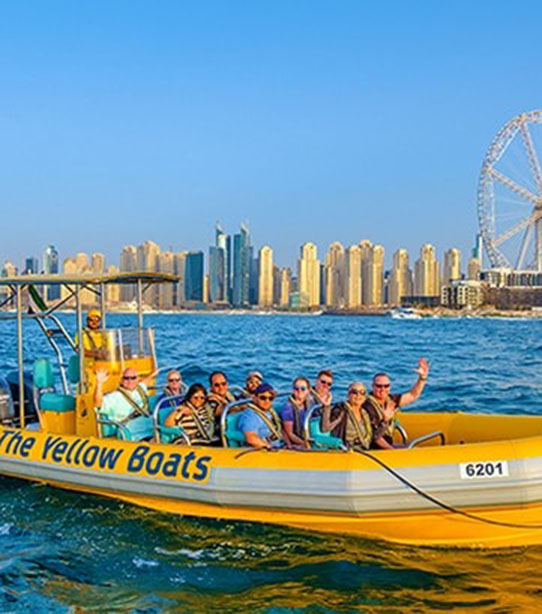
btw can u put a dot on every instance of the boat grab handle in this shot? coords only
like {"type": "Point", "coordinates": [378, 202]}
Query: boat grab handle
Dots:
{"type": "Point", "coordinates": [423, 438]}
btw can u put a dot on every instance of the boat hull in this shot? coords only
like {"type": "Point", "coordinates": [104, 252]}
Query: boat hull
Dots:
{"type": "Point", "coordinates": [340, 492]}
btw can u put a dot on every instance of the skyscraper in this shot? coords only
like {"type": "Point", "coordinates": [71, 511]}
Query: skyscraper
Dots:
{"type": "Point", "coordinates": [265, 277]}
{"type": "Point", "coordinates": [217, 274]}
{"type": "Point", "coordinates": [373, 277]}
{"type": "Point", "coordinates": [426, 274]}
{"type": "Point", "coordinates": [51, 267]}
{"type": "Point", "coordinates": [98, 263]}
{"type": "Point", "coordinates": [478, 249]}
{"type": "Point", "coordinates": [335, 276]}
{"type": "Point", "coordinates": [220, 267]}
{"type": "Point", "coordinates": [285, 286]}
{"type": "Point", "coordinates": [353, 277]}
{"type": "Point", "coordinates": [128, 264]}
{"type": "Point", "coordinates": [193, 280]}
{"type": "Point", "coordinates": [365, 246]}
{"type": "Point", "coordinates": [241, 267]}
{"type": "Point", "coordinates": [166, 264]}
{"type": "Point", "coordinates": [452, 266]}
{"type": "Point", "coordinates": [400, 281]}
{"type": "Point", "coordinates": [31, 266]}
{"type": "Point", "coordinates": [309, 275]}
{"type": "Point", "coordinates": [179, 269]}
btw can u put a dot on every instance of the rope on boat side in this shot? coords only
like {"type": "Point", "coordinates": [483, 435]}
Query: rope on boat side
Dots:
{"type": "Point", "coordinates": [439, 503]}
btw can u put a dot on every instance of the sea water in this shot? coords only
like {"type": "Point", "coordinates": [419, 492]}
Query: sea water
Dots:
{"type": "Point", "coordinates": [62, 551]}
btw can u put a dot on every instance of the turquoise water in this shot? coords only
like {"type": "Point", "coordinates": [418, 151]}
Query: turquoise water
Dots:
{"type": "Point", "coordinates": [66, 552]}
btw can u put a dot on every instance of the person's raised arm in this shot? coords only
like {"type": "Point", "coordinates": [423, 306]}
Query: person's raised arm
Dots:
{"type": "Point", "coordinates": [327, 424]}
{"type": "Point", "coordinates": [416, 390]}
{"type": "Point", "coordinates": [147, 380]}
{"type": "Point", "coordinates": [101, 378]}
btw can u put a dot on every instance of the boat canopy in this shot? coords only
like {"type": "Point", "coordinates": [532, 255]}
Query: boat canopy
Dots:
{"type": "Point", "coordinates": [38, 310]}
{"type": "Point", "coordinates": [83, 280]}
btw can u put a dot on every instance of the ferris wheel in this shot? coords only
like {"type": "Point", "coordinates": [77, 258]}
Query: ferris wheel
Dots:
{"type": "Point", "coordinates": [510, 195]}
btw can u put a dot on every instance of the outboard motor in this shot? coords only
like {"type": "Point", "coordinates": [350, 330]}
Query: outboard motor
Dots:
{"type": "Point", "coordinates": [12, 382]}
{"type": "Point", "coordinates": [7, 409]}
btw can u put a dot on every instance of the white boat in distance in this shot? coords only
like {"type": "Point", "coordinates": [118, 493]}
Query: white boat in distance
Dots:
{"type": "Point", "coordinates": [404, 313]}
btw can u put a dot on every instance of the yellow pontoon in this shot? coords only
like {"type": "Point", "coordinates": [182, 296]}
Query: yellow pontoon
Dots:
{"type": "Point", "coordinates": [468, 480]}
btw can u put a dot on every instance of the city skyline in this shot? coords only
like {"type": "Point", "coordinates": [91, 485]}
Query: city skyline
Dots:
{"type": "Point", "coordinates": [236, 273]}
{"type": "Point", "coordinates": [319, 121]}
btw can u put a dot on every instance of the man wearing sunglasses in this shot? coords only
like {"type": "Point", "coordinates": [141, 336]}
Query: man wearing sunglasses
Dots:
{"type": "Point", "coordinates": [259, 422]}
{"type": "Point", "coordinates": [129, 401]}
{"type": "Point", "coordinates": [321, 393]}
{"type": "Point", "coordinates": [219, 396]}
{"type": "Point", "coordinates": [382, 406]}
{"type": "Point", "coordinates": [94, 340]}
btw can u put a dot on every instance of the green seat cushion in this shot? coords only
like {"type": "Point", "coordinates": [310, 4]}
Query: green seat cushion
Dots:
{"type": "Point", "coordinates": [234, 437]}
{"type": "Point", "coordinates": [50, 401]}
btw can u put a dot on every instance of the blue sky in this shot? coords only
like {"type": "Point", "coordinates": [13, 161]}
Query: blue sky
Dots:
{"type": "Point", "coordinates": [323, 121]}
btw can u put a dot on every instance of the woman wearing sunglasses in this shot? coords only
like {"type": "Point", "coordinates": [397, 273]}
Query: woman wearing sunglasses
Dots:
{"type": "Point", "coordinates": [259, 421]}
{"type": "Point", "coordinates": [293, 413]}
{"type": "Point", "coordinates": [173, 388]}
{"type": "Point", "coordinates": [348, 420]}
{"type": "Point", "coordinates": [195, 417]}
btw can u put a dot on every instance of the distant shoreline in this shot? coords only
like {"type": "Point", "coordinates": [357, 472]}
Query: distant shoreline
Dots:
{"type": "Point", "coordinates": [425, 313]}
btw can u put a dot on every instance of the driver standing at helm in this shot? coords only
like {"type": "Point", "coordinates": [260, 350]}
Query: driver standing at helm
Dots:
{"type": "Point", "coordinates": [94, 341]}
{"type": "Point", "coordinates": [382, 406]}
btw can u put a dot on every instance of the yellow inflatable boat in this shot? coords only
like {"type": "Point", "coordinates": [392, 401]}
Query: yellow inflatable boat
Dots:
{"type": "Point", "coordinates": [477, 484]}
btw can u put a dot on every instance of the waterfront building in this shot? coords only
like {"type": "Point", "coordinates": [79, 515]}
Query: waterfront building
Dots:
{"type": "Point", "coordinates": [74, 266]}
{"type": "Point", "coordinates": [400, 279]}
{"type": "Point", "coordinates": [265, 277]}
{"type": "Point", "coordinates": [478, 249]}
{"type": "Point", "coordinates": [365, 254]}
{"type": "Point", "coordinates": [276, 284]}
{"type": "Point", "coordinates": [353, 277]}
{"type": "Point", "coordinates": [112, 291]}
{"type": "Point", "coordinates": [460, 294]}
{"type": "Point", "coordinates": [179, 269]}
{"type": "Point", "coordinates": [285, 286]}
{"type": "Point", "coordinates": [81, 263]}
{"type": "Point", "coordinates": [473, 270]}
{"type": "Point", "coordinates": [241, 267]}
{"type": "Point", "coordinates": [31, 266]}
{"type": "Point", "coordinates": [9, 269]}
{"type": "Point", "coordinates": [426, 274]}
{"type": "Point", "coordinates": [217, 274]}
{"type": "Point", "coordinates": [193, 281]}
{"type": "Point", "coordinates": [166, 292]}
{"type": "Point", "coordinates": [223, 241]}
{"type": "Point", "coordinates": [253, 277]}
{"type": "Point", "coordinates": [128, 264]}
{"type": "Point", "coordinates": [51, 267]}
{"type": "Point", "coordinates": [452, 266]}
{"type": "Point", "coordinates": [147, 256]}
{"type": "Point", "coordinates": [97, 263]}
{"type": "Point", "coordinates": [298, 300]}
{"type": "Point", "coordinates": [335, 274]}
{"type": "Point", "coordinates": [220, 267]}
{"type": "Point", "coordinates": [309, 276]}
{"type": "Point", "coordinates": [372, 274]}
{"type": "Point", "coordinates": [206, 288]}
